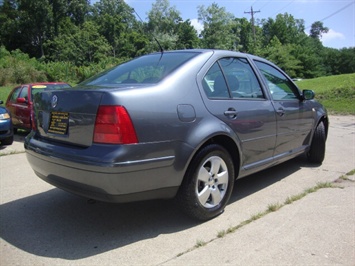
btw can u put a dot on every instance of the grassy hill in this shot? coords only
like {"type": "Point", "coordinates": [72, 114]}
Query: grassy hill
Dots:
{"type": "Point", "coordinates": [336, 93]}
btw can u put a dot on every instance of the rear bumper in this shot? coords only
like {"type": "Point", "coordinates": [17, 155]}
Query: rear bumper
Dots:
{"type": "Point", "coordinates": [110, 181]}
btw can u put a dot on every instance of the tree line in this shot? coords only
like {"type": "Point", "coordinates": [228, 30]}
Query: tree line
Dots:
{"type": "Point", "coordinates": [72, 39]}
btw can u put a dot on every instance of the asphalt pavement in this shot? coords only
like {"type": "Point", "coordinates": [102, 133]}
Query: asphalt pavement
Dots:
{"type": "Point", "coordinates": [42, 225]}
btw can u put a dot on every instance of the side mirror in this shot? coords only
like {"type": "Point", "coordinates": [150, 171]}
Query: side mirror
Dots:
{"type": "Point", "coordinates": [308, 94]}
{"type": "Point", "coordinates": [21, 100]}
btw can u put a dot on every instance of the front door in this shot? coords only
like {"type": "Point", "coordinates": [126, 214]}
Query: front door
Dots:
{"type": "Point", "coordinates": [295, 117]}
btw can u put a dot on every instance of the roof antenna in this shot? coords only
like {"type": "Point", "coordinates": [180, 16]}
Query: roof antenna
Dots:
{"type": "Point", "coordinates": [161, 48]}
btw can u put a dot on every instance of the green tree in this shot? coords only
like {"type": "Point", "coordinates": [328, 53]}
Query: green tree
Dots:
{"type": "Point", "coordinates": [219, 28]}
{"type": "Point", "coordinates": [82, 46]}
{"type": "Point", "coordinates": [332, 61]}
{"type": "Point", "coordinates": [60, 11]}
{"type": "Point", "coordinates": [317, 29]}
{"type": "Point", "coordinates": [347, 60]}
{"type": "Point", "coordinates": [187, 36]}
{"type": "Point", "coordinates": [30, 27]}
{"type": "Point", "coordinates": [282, 56]}
{"type": "Point", "coordinates": [36, 25]}
{"type": "Point", "coordinates": [163, 18]}
{"type": "Point", "coordinates": [76, 10]}
{"type": "Point", "coordinates": [116, 23]}
{"type": "Point", "coordinates": [285, 27]}
{"type": "Point", "coordinates": [247, 43]}
{"type": "Point", "coordinates": [9, 25]}
{"type": "Point", "coordinates": [310, 55]}
{"type": "Point", "coordinates": [166, 25]}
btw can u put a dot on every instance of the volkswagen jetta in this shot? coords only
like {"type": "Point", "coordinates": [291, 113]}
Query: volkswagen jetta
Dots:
{"type": "Point", "coordinates": [178, 124]}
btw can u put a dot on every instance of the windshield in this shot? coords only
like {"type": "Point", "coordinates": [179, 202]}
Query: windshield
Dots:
{"type": "Point", "coordinates": [143, 70]}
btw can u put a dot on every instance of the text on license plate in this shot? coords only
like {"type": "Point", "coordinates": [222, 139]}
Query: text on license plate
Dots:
{"type": "Point", "coordinates": [59, 123]}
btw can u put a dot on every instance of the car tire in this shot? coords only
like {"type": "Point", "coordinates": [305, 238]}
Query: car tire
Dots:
{"type": "Point", "coordinates": [7, 141]}
{"type": "Point", "coordinates": [316, 152]}
{"type": "Point", "coordinates": [208, 183]}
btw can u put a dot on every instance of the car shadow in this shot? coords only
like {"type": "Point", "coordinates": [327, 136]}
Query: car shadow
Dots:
{"type": "Point", "coordinates": [57, 224]}
{"type": "Point", "coordinates": [20, 135]}
{"type": "Point", "coordinates": [249, 185]}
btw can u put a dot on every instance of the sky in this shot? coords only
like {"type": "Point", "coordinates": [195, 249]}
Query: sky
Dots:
{"type": "Point", "coordinates": [337, 15]}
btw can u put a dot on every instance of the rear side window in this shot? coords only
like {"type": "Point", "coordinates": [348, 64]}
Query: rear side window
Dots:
{"type": "Point", "coordinates": [143, 70]}
{"type": "Point", "coordinates": [232, 78]}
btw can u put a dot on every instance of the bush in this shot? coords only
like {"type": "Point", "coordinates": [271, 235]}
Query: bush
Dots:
{"type": "Point", "coordinates": [16, 68]}
{"type": "Point", "coordinates": [60, 71]}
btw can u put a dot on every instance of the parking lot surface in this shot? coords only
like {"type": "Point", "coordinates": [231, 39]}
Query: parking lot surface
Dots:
{"type": "Point", "coordinates": [42, 225]}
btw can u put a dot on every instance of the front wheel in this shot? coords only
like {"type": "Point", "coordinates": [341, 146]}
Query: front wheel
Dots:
{"type": "Point", "coordinates": [316, 152]}
{"type": "Point", "coordinates": [208, 183]}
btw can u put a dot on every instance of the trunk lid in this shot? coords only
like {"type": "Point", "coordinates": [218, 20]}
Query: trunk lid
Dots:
{"type": "Point", "coordinates": [67, 115]}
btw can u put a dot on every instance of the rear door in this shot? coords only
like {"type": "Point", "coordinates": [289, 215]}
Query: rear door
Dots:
{"type": "Point", "coordinates": [235, 97]}
{"type": "Point", "coordinates": [295, 117]}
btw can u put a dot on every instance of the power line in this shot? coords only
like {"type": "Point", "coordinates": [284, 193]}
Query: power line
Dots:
{"type": "Point", "coordinates": [265, 5]}
{"type": "Point", "coordinates": [284, 7]}
{"type": "Point", "coordinates": [336, 12]}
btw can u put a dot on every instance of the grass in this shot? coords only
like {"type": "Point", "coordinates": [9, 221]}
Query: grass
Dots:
{"type": "Point", "coordinates": [4, 92]}
{"type": "Point", "coordinates": [346, 176]}
{"type": "Point", "coordinates": [336, 93]}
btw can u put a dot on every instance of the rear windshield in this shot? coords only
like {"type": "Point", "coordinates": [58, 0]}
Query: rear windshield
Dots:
{"type": "Point", "coordinates": [143, 70]}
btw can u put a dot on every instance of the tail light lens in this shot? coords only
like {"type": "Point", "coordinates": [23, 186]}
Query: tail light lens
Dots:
{"type": "Point", "coordinates": [113, 125]}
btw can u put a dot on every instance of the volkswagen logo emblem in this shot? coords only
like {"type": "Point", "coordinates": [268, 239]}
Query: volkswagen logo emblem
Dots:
{"type": "Point", "coordinates": [54, 101]}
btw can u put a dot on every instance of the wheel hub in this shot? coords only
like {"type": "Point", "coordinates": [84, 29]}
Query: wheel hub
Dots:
{"type": "Point", "coordinates": [212, 182]}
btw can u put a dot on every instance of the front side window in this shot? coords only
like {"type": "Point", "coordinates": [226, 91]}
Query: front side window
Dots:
{"type": "Point", "coordinates": [24, 93]}
{"type": "Point", "coordinates": [232, 78]}
{"type": "Point", "coordinates": [280, 87]}
{"type": "Point", "coordinates": [15, 94]}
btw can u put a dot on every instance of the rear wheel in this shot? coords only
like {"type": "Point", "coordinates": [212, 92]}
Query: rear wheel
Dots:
{"type": "Point", "coordinates": [316, 152]}
{"type": "Point", "coordinates": [208, 183]}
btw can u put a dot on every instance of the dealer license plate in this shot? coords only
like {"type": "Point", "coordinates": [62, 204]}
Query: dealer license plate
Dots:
{"type": "Point", "coordinates": [59, 123]}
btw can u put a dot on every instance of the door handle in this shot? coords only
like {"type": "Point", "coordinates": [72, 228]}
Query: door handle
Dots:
{"type": "Point", "coordinates": [231, 113]}
{"type": "Point", "coordinates": [280, 112]}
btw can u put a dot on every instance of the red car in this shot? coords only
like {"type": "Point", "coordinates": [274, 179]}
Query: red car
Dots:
{"type": "Point", "coordinates": [20, 101]}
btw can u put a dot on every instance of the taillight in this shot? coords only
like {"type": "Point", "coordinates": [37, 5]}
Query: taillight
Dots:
{"type": "Point", "coordinates": [113, 125]}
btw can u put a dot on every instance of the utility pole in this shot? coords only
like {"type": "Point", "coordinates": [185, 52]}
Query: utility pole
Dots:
{"type": "Point", "coordinates": [252, 12]}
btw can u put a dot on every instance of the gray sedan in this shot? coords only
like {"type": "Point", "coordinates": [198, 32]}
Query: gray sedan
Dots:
{"type": "Point", "coordinates": [178, 124]}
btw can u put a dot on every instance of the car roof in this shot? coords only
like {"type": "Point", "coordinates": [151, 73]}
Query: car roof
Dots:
{"type": "Point", "coordinates": [219, 52]}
